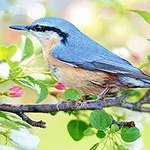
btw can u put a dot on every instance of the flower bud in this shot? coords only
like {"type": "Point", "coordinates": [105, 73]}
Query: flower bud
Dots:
{"type": "Point", "coordinates": [16, 91]}
{"type": "Point", "coordinates": [60, 86]}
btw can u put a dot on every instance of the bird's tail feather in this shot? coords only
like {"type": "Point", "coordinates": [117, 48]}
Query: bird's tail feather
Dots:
{"type": "Point", "coordinates": [146, 82]}
{"type": "Point", "coordinates": [132, 82]}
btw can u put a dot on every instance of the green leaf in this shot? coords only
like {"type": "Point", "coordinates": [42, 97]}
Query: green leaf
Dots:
{"type": "Point", "coordinates": [100, 119]}
{"type": "Point", "coordinates": [5, 133]}
{"type": "Point", "coordinates": [134, 93]}
{"type": "Point", "coordinates": [88, 132]}
{"type": "Point", "coordinates": [7, 53]}
{"type": "Point", "coordinates": [92, 97]}
{"type": "Point", "coordinates": [114, 128]}
{"type": "Point", "coordinates": [130, 134]}
{"type": "Point", "coordinates": [148, 57]}
{"type": "Point", "coordinates": [28, 49]}
{"type": "Point", "coordinates": [76, 129]}
{"type": "Point", "coordinates": [15, 69]}
{"type": "Point", "coordinates": [95, 146]}
{"type": "Point", "coordinates": [144, 14]}
{"type": "Point", "coordinates": [147, 64]}
{"type": "Point", "coordinates": [39, 87]}
{"type": "Point", "coordinates": [15, 72]}
{"type": "Point", "coordinates": [121, 147]}
{"type": "Point", "coordinates": [3, 115]}
{"type": "Point", "coordinates": [100, 134]}
{"type": "Point", "coordinates": [72, 94]}
{"type": "Point", "coordinates": [53, 113]}
{"type": "Point", "coordinates": [8, 124]}
{"type": "Point", "coordinates": [11, 50]}
{"type": "Point", "coordinates": [17, 120]}
{"type": "Point", "coordinates": [3, 53]}
{"type": "Point", "coordinates": [47, 80]}
{"type": "Point", "coordinates": [13, 64]}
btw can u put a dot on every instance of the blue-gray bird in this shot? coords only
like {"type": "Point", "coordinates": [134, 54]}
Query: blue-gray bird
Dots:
{"type": "Point", "coordinates": [81, 63]}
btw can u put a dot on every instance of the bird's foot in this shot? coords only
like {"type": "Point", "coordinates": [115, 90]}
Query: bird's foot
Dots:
{"type": "Point", "coordinates": [102, 95]}
{"type": "Point", "coordinates": [57, 106]}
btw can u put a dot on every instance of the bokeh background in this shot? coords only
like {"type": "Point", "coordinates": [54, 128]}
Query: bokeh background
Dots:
{"type": "Point", "coordinates": [110, 23]}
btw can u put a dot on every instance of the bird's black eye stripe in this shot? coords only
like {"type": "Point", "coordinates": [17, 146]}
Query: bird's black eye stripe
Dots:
{"type": "Point", "coordinates": [40, 28]}
{"type": "Point", "coordinates": [37, 28]}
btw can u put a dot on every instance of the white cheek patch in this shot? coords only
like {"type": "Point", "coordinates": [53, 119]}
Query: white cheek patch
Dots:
{"type": "Point", "coordinates": [44, 36]}
{"type": "Point", "coordinates": [51, 34]}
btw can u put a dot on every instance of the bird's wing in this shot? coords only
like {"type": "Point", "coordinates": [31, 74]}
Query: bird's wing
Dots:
{"type": "Point", "coordinates": [92, 56]}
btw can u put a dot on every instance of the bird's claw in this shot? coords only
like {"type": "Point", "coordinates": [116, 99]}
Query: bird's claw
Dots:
{"type": "Point", "coordinates": [57, 105]}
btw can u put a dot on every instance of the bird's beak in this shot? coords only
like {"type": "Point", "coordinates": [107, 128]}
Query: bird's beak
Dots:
{"type": "Point", "coordinates": [21, 27]}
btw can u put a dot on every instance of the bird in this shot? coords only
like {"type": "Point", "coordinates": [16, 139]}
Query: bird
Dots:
{"type": "Point", "coordinates": [80, 62]}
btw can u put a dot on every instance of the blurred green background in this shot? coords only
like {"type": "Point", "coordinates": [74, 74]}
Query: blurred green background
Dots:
{"type": "Point", "coordinates": [109, 22]}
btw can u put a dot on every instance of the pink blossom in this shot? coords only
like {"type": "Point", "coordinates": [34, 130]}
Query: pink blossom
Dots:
{"type": "Point", "coordinates": [16, 91]}
{"type": "Point", "coordinates": [60, 86]}
{"type": "Point", "coordinates": [136, 56]}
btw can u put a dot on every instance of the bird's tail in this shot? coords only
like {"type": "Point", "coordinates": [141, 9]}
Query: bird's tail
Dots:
{"type": "Point", "coordinates": [132, 82]}
{"type": "Point", "coordinates": [146, 82]}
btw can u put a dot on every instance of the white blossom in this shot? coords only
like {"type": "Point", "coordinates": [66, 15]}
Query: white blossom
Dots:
{"type": "Point", "coordinates": [121, 51]}
{"type": "Point", "coordinates": [137, 117]}
{"type": "Point", "coordinates": [129, 115]}
{"type": "Point", "coordinates": [24, 139]}
{"type": "Point", "coordinates": [4, 147]}
{"type": "Point", "coordinates": [4, 70]}
{"type": "Point", "coordinates": [26, 8]}
{"type": "Point", "coordinates": [17, 56]}
{"type": "Point", "coordinates": [136, 145]}
{"type": "Point", "coordinates": [76, 12]}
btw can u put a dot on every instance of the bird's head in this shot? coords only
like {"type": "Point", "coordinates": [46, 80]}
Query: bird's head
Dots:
{"type": "Point", "coordinates": [48, 29]}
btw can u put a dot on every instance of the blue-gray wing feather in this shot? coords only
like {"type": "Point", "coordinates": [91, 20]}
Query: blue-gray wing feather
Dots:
{"type": "Point", "coordinates": [84, 52]}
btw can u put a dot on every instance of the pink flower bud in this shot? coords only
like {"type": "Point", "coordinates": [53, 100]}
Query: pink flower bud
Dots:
{"type": "Point", "coordinates": [60, 86]}
{"type": "Point", "coordinates": [16, 91]}
{"type": "Point", "coordinates": [136, 56]}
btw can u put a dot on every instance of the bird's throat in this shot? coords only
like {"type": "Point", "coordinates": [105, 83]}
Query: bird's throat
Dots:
{"type": "Point", "coordinates": [49, 45]}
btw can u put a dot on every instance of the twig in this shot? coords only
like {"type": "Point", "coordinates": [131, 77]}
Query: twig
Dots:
{"type": "Point", "coordinates": [25, 118]}
{"type": "Point", "coordinates": [121, 124]}
{"type": "Point", "coordinates": [20, 110]}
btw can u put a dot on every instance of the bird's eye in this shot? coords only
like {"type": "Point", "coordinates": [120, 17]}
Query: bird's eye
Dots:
{"type": "Point", "coordinates": [38, 28]}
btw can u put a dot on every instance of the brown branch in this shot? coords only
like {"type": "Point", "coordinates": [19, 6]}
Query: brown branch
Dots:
{"type": "Point", "coordinates": [20, 110]}
{"type": "Point", "coordinates": [121, 124]}
{"type": "Point", "coordinates": [25, 118]}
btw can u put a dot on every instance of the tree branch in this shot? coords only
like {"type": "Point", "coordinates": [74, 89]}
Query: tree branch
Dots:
{"type": "Point", "coordinates": [20, 110]}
